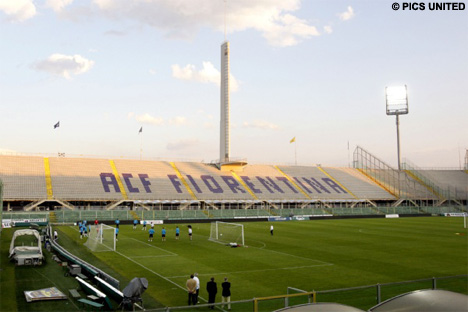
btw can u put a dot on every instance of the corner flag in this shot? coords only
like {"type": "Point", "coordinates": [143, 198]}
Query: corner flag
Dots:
{"type": "Point", "coordinates": [293, 140]}
{"type": "Point", "coordinates": [57, 125]}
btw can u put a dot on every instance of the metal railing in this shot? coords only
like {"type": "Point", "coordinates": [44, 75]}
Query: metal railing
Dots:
{"type": "Point", "coordinates": [363, 297]}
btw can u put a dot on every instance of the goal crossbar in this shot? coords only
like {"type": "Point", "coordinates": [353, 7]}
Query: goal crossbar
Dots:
{"type": "Point", "coordinates": [101, 237]}
{"type": "Point", "coordinates": [226, 232]}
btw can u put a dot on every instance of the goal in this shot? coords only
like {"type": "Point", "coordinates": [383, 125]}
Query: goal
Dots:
{"type": "Point", "coordinates": [101, 238]}
{"type": "Point", "coordinates": [224, 232]}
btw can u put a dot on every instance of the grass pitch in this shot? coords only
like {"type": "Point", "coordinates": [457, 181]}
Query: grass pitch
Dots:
{"type": "Point", "coordinates": [309, 255]}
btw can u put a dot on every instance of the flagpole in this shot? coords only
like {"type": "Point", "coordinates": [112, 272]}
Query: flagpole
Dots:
{"type": "Point", "coordinates": [141, 142]}
{"type": "Point", "coordinates": [295, 152]}
{"type": "Point", "coordinates": [293, 140]}
{"type": "Point", "coordinates": [141, 146]}
{"type": "Point", "coordinates": [349, 164]}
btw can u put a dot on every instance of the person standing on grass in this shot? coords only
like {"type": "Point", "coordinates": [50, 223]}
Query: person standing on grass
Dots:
{"type": "Point", "coordinates": [191, 285]}
{"type": "Point", "coordinates": [81, 231]}
{"type": "Point", "coordinates": [117, 223]}
{"type": "Point", "coordinates": [144, 226]}
{"type": "Point", "coordinates": [195, 277]}
{"type": "Point", "coordinates": [271, 230]}
{"type": "Point", "coordinates": [177, 233]}
{"type": "Point", "coordinates": [190, 232]}
{"type": "Point", "coordinates": [135, 222]}
{"type": "Point", "coordinates": [96, 222]}
{"type": "Point", "coordinates": [55, 235]}
{"type": "Point", "coordinates": [226, 294]}
{"type": "Point", "coordinates": [212, 289]}
{"type": "Point", "coordinates": [116, 233]}
{"type": "Point", "coordinates": [151, 233]}
{"type": "Point", "coordinates": [163, 234]}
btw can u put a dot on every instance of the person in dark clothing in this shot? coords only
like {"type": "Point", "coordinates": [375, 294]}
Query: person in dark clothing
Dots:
{"type": "Point", "coordinates": [212, 289]}
{"type": "Point", "coordinates": [226, 293]}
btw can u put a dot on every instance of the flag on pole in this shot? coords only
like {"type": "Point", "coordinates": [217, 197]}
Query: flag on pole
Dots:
{"type": "Point", "coordinates": [57, 125]}
{"type": "Point", "coordinates": [293, 140]}
{"type": "Point", "coordinates": [141, 130]}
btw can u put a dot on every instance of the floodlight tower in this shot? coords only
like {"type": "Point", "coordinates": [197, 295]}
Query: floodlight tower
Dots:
{"type": "Point", "coordinates": [225, 135]}
{"type": "Point", "coordinates": [397, 104]}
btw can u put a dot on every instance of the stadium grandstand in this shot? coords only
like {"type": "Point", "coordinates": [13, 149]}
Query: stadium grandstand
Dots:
{"type": "Point", "coordinates": [203, 190]}
{"type": "Point", "coordinates": [228, 187]}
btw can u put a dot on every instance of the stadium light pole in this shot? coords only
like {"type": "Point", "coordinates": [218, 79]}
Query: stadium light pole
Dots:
{"type": "Point", "coordinates": [396, 98]}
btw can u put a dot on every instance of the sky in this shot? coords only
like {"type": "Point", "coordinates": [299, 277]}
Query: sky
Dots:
{"type": "Point", "coordinates": [311, 70]}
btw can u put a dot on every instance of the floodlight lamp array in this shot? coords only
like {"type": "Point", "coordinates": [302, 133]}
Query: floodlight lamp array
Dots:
{"type": "Point", "coordinates": [397, 100]}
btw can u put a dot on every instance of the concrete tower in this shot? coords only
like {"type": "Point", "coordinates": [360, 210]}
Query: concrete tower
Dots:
{"type": "Point", "coordinates": [225, 135]}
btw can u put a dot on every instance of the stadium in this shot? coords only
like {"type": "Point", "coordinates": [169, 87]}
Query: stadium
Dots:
{"type": "Point", "coordinates": [368, 237]}
{"type": "Point", "coordinates": [243, 200]}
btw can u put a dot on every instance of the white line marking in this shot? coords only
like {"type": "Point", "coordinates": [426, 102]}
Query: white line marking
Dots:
{"type": "Point", "coordinates": [157, 274]}
{"type": "Point", "coordinates": [145, 243]}
{"type": "Point", "coordinates": [291, 255]}
{"type": "Point", "coordinates": [135, 257]}
{"type": "Point", "coordinates": [264, 270]}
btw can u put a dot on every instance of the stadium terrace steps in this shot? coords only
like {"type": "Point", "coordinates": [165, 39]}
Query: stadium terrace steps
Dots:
{"type": "Point", "coordinates": [85, 180]}
{"type": "Point", "coordinates": [411, 188]}
{"type": "Point", "coordinates": [82, 178]}
{"type": "Point", "coordinates": [23, 177]}
{"type": "Point", "coordinates": [270, 183]}
{"type": "Point", "coordinates": [450, 179]}
{"type": "Point", "coordinates": [52, 217]}
{"type": "Point", "coordinates": [359, 184]}
{"type": "Point", "coordinates": [209, 183]}
{"type": "Point", "coordinates": [316, 183]}
{"type": "Point", "coordinates": [149, 180]}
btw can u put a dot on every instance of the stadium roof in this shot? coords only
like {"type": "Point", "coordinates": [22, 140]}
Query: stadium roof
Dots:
{"type": "Point", "coordinates": [424, 300]}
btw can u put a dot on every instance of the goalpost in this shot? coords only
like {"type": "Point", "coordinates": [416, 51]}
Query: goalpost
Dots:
{"type": "Point", "coordinates": [224, 232]}
{"type": "Point", "coordinates": [101, 238]}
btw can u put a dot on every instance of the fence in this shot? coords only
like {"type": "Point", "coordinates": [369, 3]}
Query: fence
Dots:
{"type": "Point", "coordinates": [365, 297]}
{"type": "Point", "coordinates": [362, 297]}
{"type": "Point", "coordinates": [70, 216]}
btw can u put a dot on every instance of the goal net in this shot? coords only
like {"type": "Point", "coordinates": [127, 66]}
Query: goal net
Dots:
{"type": "Point", "coordinates": [226, 233]}
{"type": "Point", "coordinates": [101, 238]}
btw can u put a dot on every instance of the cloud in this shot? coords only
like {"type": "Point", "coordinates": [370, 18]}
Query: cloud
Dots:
{"type": "Point", "coordinates": [18, 10]}
{"type": "Point", "coordinates": [157, 121]}
{"type": "Point", "coordinates": [64, 65]}
{"type": "Point", "coordinates": [260, 124]}
{"type": "Point", "coordinates": [178, 121]}
{"type": "Point", "coordinates": [349, 14]}
{"type": "Point", "coordinates": [182, 144]}
{"type": "Point", "coordinates": [327, 29]}
{"type": "Point", "coordinates": [148, 119]}
{"type": "Point", "coordinates": [286, 30]}
{"type": "Point", "coordinates": [208, 74]}
{"type": "Point", "coordinates": [58, 5]}
{"type": "Point", "coordinates": [274, 19]}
